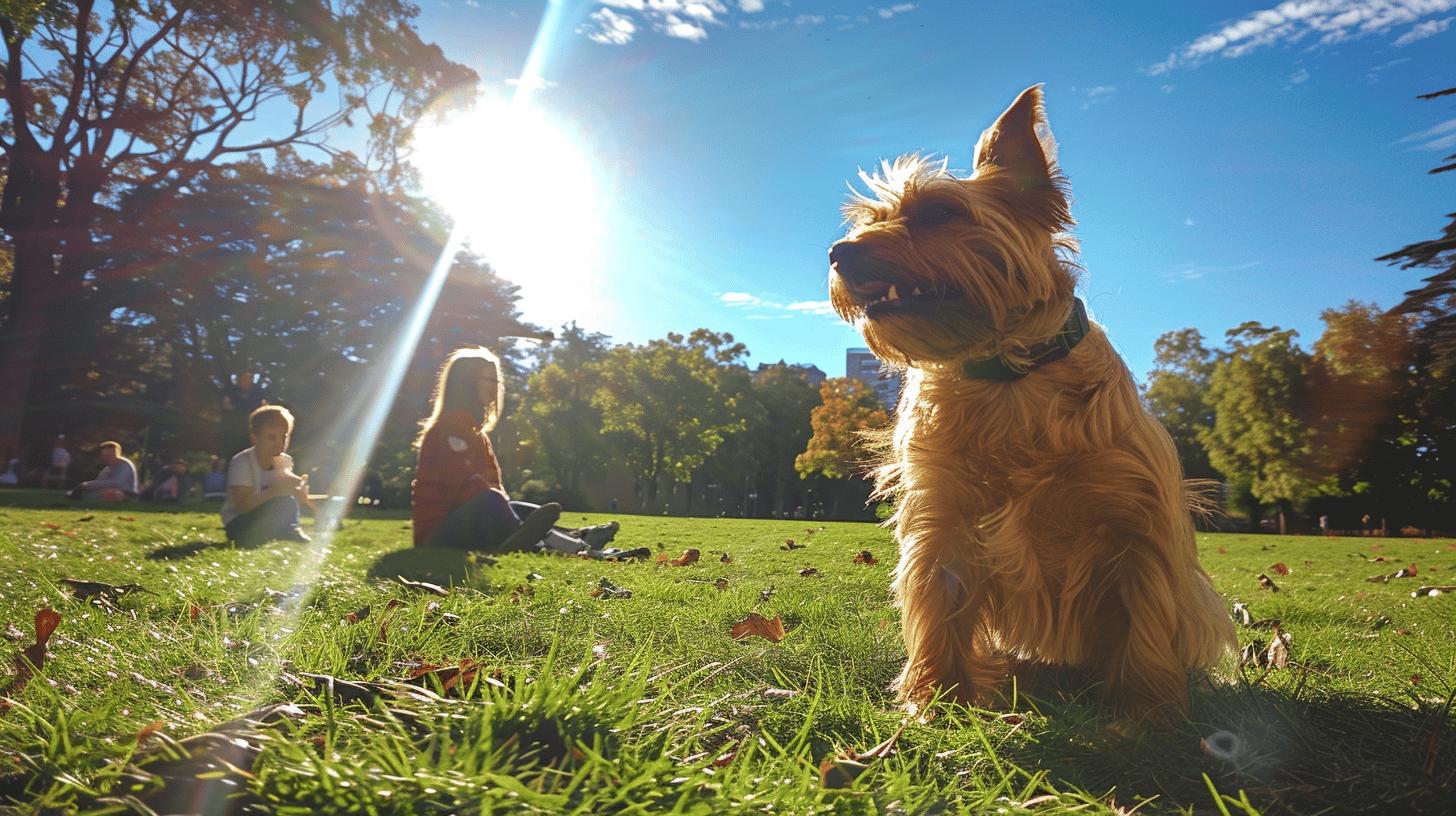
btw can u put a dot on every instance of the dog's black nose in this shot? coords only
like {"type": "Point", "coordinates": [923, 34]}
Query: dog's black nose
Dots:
{"type": "Point", "coordinates": [847, 258]}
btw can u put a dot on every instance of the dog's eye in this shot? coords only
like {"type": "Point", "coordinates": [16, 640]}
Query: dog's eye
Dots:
{"type": "Point", "coordinates": [935, 214]}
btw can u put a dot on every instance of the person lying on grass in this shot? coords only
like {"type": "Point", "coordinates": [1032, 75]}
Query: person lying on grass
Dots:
{"type": "Point", "coordinates": [457, 500]}
{"type": "Point", "coordinates": [116, 481]}
{"type": "Point", "coordinates": [263, 492]}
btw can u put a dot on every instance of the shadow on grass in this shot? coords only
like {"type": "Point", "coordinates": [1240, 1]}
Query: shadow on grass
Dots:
{"type": "Point", "coordinates": [169, 552]}
{"type": "Point", "coordinates": [437, 566]}
{"type": "Point", "coordinates": [1289, 751]}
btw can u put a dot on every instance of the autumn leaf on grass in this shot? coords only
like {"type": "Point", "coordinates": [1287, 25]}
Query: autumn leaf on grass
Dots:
{"type": "Point", "coordinates": [32, 659]}
{"type": "Point", "coordinates": [721, 584]}
{"type": "Point", "coordinates": [726, 559]}
{"type": "Point", "coordinates": [427, 587]}
{"type": "Point", "coordinates": [808, 572]}
{"type": "Point", "coordinates": [451, 675]}
{"type": "Point", "coordinates": [1404, 572]}
{"type": "Point", "coordinates": [1278, 656]}
{"type": "Point", "coordinates": [689, 556]}
{"type": "Point", "coordinates": [1242, 614]}
{"type": "Point", "coordinates": [842, 770]}
{"type": "Point", "coordinates": [1279, 569]}
{"type": "Point", "coordinates": [866, 557]}
{"type": "Point", "coordinates": [790, 544]}
{"type": "Point", "coordinates": [606, 590]}
{"type": "Point", "coordinates": [93, 590]}
{"type": "Point", "coordinates": [357, 615]}
{"type": "Point", "coordinates": [756, 625]}
{"type": "Point", "coordinates": [148, 730]}
{"type": "Point", "coordinates": [1265, 582]}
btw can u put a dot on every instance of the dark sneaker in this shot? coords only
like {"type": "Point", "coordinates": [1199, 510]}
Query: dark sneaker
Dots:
{"type": "Point", "coordinates": [562, 543]}
{"type": "Point", "coordinates": [295, 534]}
{"type": "Point", "coordinates": [614, 554]}
{"type": "Point", "coordinates": [598, 535]}
{"type": "Point", "coordinates": [533, 528]}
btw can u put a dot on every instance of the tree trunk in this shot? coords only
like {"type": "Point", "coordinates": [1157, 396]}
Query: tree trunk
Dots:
{"type": "Point", "coordinates": [35, 293]}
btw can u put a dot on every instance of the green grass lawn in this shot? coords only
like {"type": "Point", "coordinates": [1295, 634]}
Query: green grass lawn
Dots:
{"type": "Point", "coordinates": [556, 701]}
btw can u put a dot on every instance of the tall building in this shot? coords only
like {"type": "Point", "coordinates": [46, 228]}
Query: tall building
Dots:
{"type": "Point", "coordinates": [861, 365]}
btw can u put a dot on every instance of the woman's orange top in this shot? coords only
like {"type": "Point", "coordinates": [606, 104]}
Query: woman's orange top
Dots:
{"type": "Point", "coordinates": [456, 463]}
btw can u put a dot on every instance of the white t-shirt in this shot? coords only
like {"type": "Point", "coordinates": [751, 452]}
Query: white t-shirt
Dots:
{"type": "Point", "coordinates": [244, 470]}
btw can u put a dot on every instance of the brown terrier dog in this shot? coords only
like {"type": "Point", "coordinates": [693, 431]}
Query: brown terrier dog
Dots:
{"type": "Point", "coordinates": [1041, 512]}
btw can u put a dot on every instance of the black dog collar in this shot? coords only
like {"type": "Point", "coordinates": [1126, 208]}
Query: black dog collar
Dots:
{"type": "Point", "coordinates": [1040, 354]}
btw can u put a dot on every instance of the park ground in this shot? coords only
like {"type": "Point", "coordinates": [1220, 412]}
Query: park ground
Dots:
{"type": "Point", "coordinates": [296, 678]}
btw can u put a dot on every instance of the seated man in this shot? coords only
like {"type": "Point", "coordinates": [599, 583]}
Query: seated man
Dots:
{"type": "Point", "coordinates": [116, 481]}
{"type": "Point", "coordinates": [263, 492]}
{"type": "Point", "coordinates": [171, 485]}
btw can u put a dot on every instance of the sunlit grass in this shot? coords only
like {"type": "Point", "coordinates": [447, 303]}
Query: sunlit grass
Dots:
{"type": "Point", "coordinates": [645, 704]}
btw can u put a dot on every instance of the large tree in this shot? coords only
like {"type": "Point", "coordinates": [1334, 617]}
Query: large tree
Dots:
{"type": "Point", "coordinates": [1177, 394]}
{"type": "Point", "coordinates": [847, 409]}
{"type": "Point", "coordinates": [664, 405]}
{"type": "Point", "coordinates": [1259, 437]}
{"type": "Point", "coordinates": [561, 424]}
{"type": "Point", "coordinates": [102, 98]}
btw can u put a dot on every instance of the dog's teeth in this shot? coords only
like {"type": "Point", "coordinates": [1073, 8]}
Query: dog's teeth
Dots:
{"type": "Point", "coordinates": [893, 295]}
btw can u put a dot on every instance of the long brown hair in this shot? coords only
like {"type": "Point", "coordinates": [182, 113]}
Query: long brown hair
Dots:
{"type": "Point", "coordinates": [456, 389]}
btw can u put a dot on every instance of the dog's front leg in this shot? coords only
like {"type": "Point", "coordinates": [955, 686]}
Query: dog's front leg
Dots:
{"type": "Point", "coordinates": [1143, 676]}
{"type": "Point", "coordinates": [943, 610]}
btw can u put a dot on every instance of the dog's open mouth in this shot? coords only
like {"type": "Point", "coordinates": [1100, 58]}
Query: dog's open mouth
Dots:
{"type": "Point", "coordinates": [882, 298]}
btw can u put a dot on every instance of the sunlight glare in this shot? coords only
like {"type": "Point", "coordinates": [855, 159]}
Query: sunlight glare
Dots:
{"type": "Point", "coordinates": [522, 192]}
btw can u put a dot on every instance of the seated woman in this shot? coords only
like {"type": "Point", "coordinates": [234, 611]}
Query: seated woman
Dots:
{"type": "Point", "coordinates": [116, 481]}
{"type": "Point", "coordinates": [263, 492]}
{"type": "Point", "coordinates": [173, 484]}
{"type": "Point", "coordinates": [457, 500]}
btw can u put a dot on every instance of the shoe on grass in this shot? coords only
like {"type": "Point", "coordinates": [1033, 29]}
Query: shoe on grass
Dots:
{"type": "Point", "coordinates": [562, 543]}
{"type": "Point", "coordinates": [598, 535]}
{"type": "Point", "coordinates": [615, 554]}
{"type": "Point", "coordinates": [296, 533]}
{"type": "Point", "coordinates": [533, 528]}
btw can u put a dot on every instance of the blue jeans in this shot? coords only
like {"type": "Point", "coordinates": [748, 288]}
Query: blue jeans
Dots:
{"type": "Point", "coordinates": [481, 523]}
{"type": "Point", "coordinates": [275, 518]}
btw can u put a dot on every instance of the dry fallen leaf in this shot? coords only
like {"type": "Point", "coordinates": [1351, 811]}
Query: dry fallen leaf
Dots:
{"type": "Point", "coordinates": [32, 659]}
{"type": "Point", "coordinates": [789, 544]}
{"type": "Point", "coordinates": [357, 615]}
{"type": "Point", "coordinates": [756, 625]}
{"type": "Point", "coordinates": [865, 557]}
{"type": "Point", "coordinates": [424, 585]}
{"type": "Point", "coordinates": [1278, 657]}
{"type": "Point", "coordinates": [1265, 582]}
{"type": "Point", "coordinates": [726, 559]}
{"type": "Point", "coordinates": [841, 771]}
{"type": "Point", "coordinates": [1403, 572]}
{"type": "Point", "coordinates": [606, 590]}
{"type": "Point", "coordinates": [1242, 614]}
{"type": "Point", "coordinates": [808, 572]}
{"type": "Point", "coordinates": [1280, 569]}
{"type": "Point", "coordinates": [1432, 591]}
{"type": "Point", "coordinates": [720, 584]}
{"type": "Point", "coordinates": [689, 556]}
{"type": "Point", "coordinates": [148, 730]}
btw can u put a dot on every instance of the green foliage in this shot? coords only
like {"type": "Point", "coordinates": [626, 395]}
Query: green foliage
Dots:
{"type": "Point", "coordinates": [1177, 395]}
{"type": "Point", "coordinates": [665, 404]}
{"type": "Point", "coordinates": [1255, 391]}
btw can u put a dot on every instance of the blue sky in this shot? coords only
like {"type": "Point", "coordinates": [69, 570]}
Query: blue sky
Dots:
{"type": "Point", "coordinates": [1228, 162]}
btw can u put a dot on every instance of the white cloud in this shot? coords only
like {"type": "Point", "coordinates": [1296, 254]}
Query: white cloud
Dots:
{"type": "Point", "coordinates": [1440, 136]}
{"type": "Point", "coordinates": [1194, 271]}
{"type": "Point", "coordinates": [740, 299]}
{"type": "Point", "coordinates": [1330, 21]}
{"type": "Point", "coordinates": [1429, 28]}
{"type": "Point", "coordinates": [1095, 95]}
{"type": "Point", "coordinates": [674, 26]}
{"type": "Point", "coordinates": [1297, 78]}
{"type": "Point", "coordinates": [1188, 222]}
{"type": "Point", "coordinates": [764, 309]}
{"type": "Point", "coordinates": [615, 22]}
{"type": "Point", "coordinates": [608, 27]}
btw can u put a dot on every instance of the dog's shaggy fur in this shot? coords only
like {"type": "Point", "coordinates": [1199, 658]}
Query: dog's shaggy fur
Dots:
{"type": "Point", "coordinates": [1041, 520]}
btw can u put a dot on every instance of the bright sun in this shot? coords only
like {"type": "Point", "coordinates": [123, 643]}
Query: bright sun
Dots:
{"type": "Point", "coordinates": [523, 192]}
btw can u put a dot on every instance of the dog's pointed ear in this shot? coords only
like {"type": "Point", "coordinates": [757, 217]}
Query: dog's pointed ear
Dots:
{"type": "Point", "coordinates": [1020, 143]}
